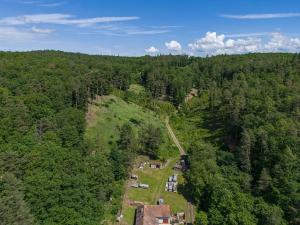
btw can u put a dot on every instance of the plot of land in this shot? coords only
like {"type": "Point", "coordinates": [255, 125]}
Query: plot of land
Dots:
{"type": "Point", "coordinates": [108, 113]}
{"type": "Point", "coordinates": [156, 178]}
{"type": "Point", "coordinates": [104, 119]}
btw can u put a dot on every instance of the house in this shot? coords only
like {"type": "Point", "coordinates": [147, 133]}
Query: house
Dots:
{"type": "Point", "coordinates": [155, 165]}
{"type": "Point", "coordinates": [153, 215]}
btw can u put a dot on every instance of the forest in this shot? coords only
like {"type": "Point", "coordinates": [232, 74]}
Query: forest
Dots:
{"type": "Point", "coordinates": [246, 172]}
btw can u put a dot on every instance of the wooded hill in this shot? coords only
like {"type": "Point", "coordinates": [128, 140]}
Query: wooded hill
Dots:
{"type": "Point", "coordinates": [249, 174]}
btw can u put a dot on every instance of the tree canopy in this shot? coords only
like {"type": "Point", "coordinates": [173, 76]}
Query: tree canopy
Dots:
{"type": "Point", "coordinates": [248, 175]}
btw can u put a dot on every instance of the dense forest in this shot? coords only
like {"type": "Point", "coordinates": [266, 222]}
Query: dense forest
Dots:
{"type": "Point", "coordinates": [248, 173]}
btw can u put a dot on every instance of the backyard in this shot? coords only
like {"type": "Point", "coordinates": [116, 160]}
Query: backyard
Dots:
{"type": "Point", "coordinates": [156, 179]}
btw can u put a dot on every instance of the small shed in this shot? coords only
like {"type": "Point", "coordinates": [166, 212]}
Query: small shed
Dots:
{"type": "Point", "coordinates": [155, 165]}
{"type": "Point", "coordinates": [177, 167]}
{"type": "Point", "coordinates": [134, 185]}
{"type": "Point", "coordinates": [134, 177]}
{"type": "Point", "coordinates": [144, 186]}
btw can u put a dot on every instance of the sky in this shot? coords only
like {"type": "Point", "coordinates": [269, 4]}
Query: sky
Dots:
{"type": "Point", "coordinates": [139, 27]}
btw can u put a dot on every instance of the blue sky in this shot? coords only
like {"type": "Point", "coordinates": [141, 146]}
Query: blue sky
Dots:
{"type": "Point", "coordinates": [138, 27]}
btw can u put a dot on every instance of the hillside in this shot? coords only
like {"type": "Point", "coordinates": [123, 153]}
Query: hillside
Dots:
{"type": "Point", "coordinates": [106, 116]}
{"type": "Point", "coordinates": [65, 153]}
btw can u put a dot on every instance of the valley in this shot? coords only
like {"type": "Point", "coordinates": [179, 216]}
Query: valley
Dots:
{"type": "Point", "coordinates": [88, 139]}
{"type": "Point", "coordinates": [104, 118]}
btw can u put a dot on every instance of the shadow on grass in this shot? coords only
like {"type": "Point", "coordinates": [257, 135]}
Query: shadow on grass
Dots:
{"type": "Point", "coordinates": [135, 212]}
{"type": "Point", "coordinates": [212, 122]}
{"type": "Point", "coordinates": [185, 191]}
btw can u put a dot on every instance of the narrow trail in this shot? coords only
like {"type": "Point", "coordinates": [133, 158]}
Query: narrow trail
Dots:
{"type": "Point", "coordinates": [190, 213]}
{"type": "Point", "coordinates": [156, 193]}
{"type": "Point", "coordinates": [190, 217]}
{"type": "Point", "coordinates": [174, 138]}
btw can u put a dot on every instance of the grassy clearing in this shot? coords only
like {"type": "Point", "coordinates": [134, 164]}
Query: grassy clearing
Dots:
{"type": "Point", "coordinates": [137, 89]}
{"type": "Point", "coordinates": [104, 119]}
{"type": "Point", "coordinates": [192, 124]}
{"type": "Point", "coordinates": [188, 128]}
{"type": "Point", "coordinates": [156, 178]}
{"type": "Point", "coordinates": [129, 215]}
{"type": "Point", "coordinates": [109, 113]}
{"type": "Point", "coordinates": [137, 94]}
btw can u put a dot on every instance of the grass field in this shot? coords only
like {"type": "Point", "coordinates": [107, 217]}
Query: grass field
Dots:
{"type": "Point", "coordinates": [156, 178]}
{"type": "Point", "coordinates": [189, 128]}
{"type": "Point", "coordinates": [193, 125]}
{"type": "Point", "coordinates": [104, 119]}
{"type": "Point", "coordinates": [137, 89]}
{"type": "Point", "coordinates": [109, 113]}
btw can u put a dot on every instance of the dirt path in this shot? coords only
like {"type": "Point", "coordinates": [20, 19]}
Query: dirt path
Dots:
{"type": "Point", "coordinates": [174, 138]}
{"type": "Point", "coordinates": [126, 202]}
{"type": "Point", "coordinates": [190, 216]}
{"type": "Point", "coordinates": [189, 213]}
{"type": "Point", "coordinates": [157, 191]}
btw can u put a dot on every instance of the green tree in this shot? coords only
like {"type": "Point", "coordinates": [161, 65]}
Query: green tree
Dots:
{"type": "Point", "coordinates": [13, 208]}
{"type": "Point", "coordinates": [202, 219]}
{"type": "Point", "coordinates": [264, 180]}
{"type": "Point", "coordinates": [245, 151]}
{"type": "Point", "coordinates": [150, 139]}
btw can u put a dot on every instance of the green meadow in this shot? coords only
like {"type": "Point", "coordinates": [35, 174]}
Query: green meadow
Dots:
{"type": "Point", "coordinates": [108, 113]}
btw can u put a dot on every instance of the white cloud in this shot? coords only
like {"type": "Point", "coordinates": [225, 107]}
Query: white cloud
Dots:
{"type": "Point", "coordinates": [258, 34]}
{"type": "Point", "coordinates": [280, 42]}
{"type": "Point", "coordinates": [121, 30]}
{"type": "Point", "coordinates": [11, 34]}
{"type": "Point", "coordinates": [261, 16]}
{"type": "Point", "coordinates": [213, 44]}
{"type": "Point", "coordinates": [211, 41]}
{"type": "Point", "coordinates": [295, 42]}
{"type": "Point", "coordinates": [60, 19]}
{"type": "Point", "coordinates": [54, 4]}
{"type": "Point", "coordinates": [28, 2]}
{"type": "Point", "coordinates": [152, 50]}
{"type": "Point", "coordinates": [147, 32]}
{"type": "Point", "coordinates": [42, 31]}
{"type": "Point", "coordinates": [277, 42]}
{"type": "Point", "coordinates": [173, 46]}
{"type": "Point", "coordinates": [41, 3]}
{"type": "Point", "coordinates": [242, 45]}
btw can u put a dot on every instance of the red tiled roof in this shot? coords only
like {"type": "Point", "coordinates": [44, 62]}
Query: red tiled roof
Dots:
{"type": "Point", "coordinates": [147, 214]}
